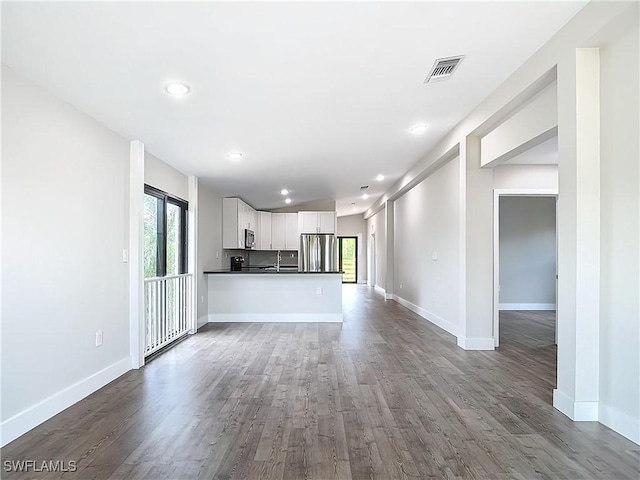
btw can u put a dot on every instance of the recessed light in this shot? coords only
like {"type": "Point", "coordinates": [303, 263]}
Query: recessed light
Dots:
{"type": "Point", "coordinates": [177, 89]}
{"type": "Point", "coordinates": [365, 196]}
{"type": "Point", "coordinates": [418, 129]}
{"type": "Point", "coordinates": [287, 200]}
{"type": "Point", "coordinates": [380, 178]}
{"type": "Point", "coordinates": [234, 155]}
{"type": "Point", "coordinates": [284, 191]}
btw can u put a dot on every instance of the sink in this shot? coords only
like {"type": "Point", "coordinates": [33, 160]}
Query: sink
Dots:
{"type": "Point", "coordinates": [283, 268]}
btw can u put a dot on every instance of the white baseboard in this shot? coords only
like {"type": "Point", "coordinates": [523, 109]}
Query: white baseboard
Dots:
{"type": "Point", "coordinates": [275, 317]}
{"type": "Point", "coordinates": [379, 290]}
{"type": "Point", "coordinates": [476, 343]}
{"type": "Point", "coordinates": [33, 416]}
{"type": "Point", "coordinates": [576, 411]}
{"type": "Point", "coordinates": [432, 317]}
{"type": "Point", "coordinates": [527, 306]}
{"type": "Point", "coordinates": [624, 424]}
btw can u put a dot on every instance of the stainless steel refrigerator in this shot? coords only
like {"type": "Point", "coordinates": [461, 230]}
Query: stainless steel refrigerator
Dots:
{"type": "Point", "coordinates": [318, 253]}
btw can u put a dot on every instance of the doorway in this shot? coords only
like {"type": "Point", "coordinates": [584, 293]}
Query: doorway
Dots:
{"type": "Point", "coordinates": [348, 258]}
{"type": "Point", "coordinates": [525, 258]}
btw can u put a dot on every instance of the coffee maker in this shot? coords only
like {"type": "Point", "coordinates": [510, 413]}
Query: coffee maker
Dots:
{"type": "Point", "coordinates": [236, 263]}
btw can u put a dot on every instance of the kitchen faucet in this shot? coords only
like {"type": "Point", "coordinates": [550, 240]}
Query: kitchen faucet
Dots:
{"type": "Point", "coordinates": [279, 259]}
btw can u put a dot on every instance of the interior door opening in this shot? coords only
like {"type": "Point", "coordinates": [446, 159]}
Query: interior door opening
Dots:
{"type": "Point", "coordinates": [348, 258]}
{"type": "Point", "coordinates": [525, 266]}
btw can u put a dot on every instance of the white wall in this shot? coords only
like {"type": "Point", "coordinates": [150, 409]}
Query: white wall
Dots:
{"type": "Point", "coordinates": [164, 177]}
{"type": "Point", "coordinates": [426, 225]}
{"type": "Point", "coordinates": [356, 226]}
{"type": "Point", "coordinates": [620, 236]}
{"type": "Point", "coordinates": [64, 227]}
{"type": "Point", "coordinates": [526, 177]}
{"type": "Point", "coordinates": [527, 253]}
{"type": "Point", "coordinates": [376, 226]}
{"type": "Point", "coordinates": [209, 244]}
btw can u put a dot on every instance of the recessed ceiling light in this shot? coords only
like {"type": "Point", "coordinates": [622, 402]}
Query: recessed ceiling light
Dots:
{"type": "Point", "coordinates": [284, 191]}
{"type": "Point", "coordinates": [380, 178]}
{"type": "Point", "coordinates": [365, 196]}
{"type": "Point", "coordinates": [234, 155]}
{"type": "Point", "coordinates": [177, 89]}
{"type": "Point", "coordinates": [418, 129]}
{"type": "Point", "coordinates": [287, 200]}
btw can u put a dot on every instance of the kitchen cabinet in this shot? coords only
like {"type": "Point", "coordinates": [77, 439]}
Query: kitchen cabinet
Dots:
{"type": "Point", "coordinates": [264, 231]}
{"type": "Point", "coordinates": [284, 231]}
{"type": "Point", "coordinates": [277, 231]}
{"type": "Point", "coordinates": [317, 222]}
{"type": "Point", "coordinates": [292, 234]}
{"type": "Point", "coordinates": [236, 217]}
{"type": "Point", "coordinates": [273, 231]}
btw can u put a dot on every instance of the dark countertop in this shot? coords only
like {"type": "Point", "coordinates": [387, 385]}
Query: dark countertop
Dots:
{"type": "Point", "coordinates": [267, 271]}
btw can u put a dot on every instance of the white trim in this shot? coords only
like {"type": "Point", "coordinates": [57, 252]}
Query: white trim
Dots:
{"type": "Point", "coordinates": [576, 411]}
{"type": "Point", "coordinates": [478, 343]}
{"type": "Point", "coordinates": [624, 424]}
{"type": "Point", "coordinates": [380, 290]}
{"type": "Point", "coordinates": [33, 416]}
{"type": "Point", "coordinates": [497, 193]}
{"type": "Point", "coordinates": [136, 253]}
{"type": "Point", "coordinates": [432, 317]}
{"type": "Point", "coordinates": [527, 306]}
{"type": "Point", "coordinates": [275, 317]}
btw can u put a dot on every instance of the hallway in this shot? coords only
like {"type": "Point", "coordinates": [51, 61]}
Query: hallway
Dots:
{"type": "Point", "coordinates": [384, 395]}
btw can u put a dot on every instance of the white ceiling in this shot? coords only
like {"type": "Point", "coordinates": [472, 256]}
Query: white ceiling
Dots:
{"type": "Point", "coordinates": [545, 153]}
{"type": "Point", "coordinates": [318, 96]}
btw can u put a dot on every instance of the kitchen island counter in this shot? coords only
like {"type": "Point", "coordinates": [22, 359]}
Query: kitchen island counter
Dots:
{"type": "Point", "coordinates": [263, 295]}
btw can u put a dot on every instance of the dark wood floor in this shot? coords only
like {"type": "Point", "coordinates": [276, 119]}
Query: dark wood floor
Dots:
{"type": "Point", "coordinates": [385, 395]}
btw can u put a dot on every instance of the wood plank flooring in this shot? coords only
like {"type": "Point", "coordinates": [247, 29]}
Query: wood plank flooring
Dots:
{"type": "Point", "coordinates": [385, 395]}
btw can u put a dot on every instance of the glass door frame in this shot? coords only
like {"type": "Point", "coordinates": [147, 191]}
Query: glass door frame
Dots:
{"type": "Point", "coordinates": [340, 238]}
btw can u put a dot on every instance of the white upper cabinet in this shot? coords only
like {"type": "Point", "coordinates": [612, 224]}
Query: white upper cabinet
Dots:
{"type": "Point", "coordinates": [264, 231]}
{"type": "Point", "coordinates": [273, 231]}
{"type": "Point", "coordinates": [292, 234]}
{"type": "Point", "coordinates": [236, 217]}
{"type": "Point", "coordinates": [277, 231]}
{"type": "Point", "coordinates": [317, 222]}
{"type": "Point", "coordinates": [327, 222]}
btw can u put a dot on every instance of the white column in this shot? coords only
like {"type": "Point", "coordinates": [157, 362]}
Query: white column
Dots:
{"type": "Point", "coordinates": [389, 233]}
{"type": "Point", "coordinates": [578, 311]}
{"type": "Point", "coordinates": [477, 330]}
{"type": "Point", "coordinates": [192, 253]}
{"type": "Point", "coordinates": [136, 254]}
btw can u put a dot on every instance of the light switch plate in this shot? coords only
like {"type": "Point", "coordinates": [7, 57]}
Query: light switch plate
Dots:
{"type": "Point", "coordinates": [98, 338]}
{"type": "Point", "coordinates": [125, 256]}
{"type": "Point", "coordinates": [434, 256]}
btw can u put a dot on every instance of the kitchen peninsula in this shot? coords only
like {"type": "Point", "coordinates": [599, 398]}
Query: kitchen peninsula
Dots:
{"type": "Point", "coordinates": [262, 295]}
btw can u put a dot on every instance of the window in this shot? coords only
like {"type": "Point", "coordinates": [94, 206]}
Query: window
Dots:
{"type": "Point", "coordinates": [165, 234]}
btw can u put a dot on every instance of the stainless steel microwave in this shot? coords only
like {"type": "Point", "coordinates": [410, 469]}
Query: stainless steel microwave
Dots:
{"type": "Point", "coordinates": [249, 239]}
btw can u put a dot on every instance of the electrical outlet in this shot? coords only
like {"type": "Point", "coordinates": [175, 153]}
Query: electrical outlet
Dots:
{"type": "Point", "coordinates": [434, 256]}
{"type": "Point", "coordinates": [319, 291]}
{"type": "Point", "coordinates": [217, 255]}
{"type": "Point", "coordinates": [400, 285]}
{"type": "Point", "coordinates": [125, 256]}
{"type": "Point", "coordinates": [293, 255]}
{"type": "Point", "coordinates": [98, 338]}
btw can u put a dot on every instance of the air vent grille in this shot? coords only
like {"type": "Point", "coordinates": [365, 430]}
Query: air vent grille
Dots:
{"type": "Point", "coordinates": [443, 68]}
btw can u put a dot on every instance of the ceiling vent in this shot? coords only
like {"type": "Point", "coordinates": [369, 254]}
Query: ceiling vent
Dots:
{"type": "Point", "coordinates": [364, 187]}
{"type": "Point", "coordinates": [443, 68]}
